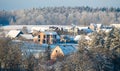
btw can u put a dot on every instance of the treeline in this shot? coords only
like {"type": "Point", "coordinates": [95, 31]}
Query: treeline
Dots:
{"type": "Point", "coordinates": [60, 15]}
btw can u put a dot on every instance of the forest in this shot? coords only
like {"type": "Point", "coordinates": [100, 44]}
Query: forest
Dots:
{"type": "Point", "coordinates": [60, 15]}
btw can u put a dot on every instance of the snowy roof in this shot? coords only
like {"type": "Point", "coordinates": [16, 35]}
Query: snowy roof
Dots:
{"type": "Point", "coordinates": [99, 25]}
{"type": "Point", "coordinates": [78, 37]}
{"type": "Point", "coordinates": [67, 49]}
{"type": "Point", "coordinates": [82, 28]}
{"type": "Point", "coordinates": [13, 33]}
{"type": "Point", "coordinates": [27, 36]}
{"type": "Point", "coordinates": [38, 28]}
{"type": "Point", "coordinates": [50, 33]}
{"type": "Point", "coordinates": [87, 30]}
{"type": "Point", "coordinates": [106, 30]}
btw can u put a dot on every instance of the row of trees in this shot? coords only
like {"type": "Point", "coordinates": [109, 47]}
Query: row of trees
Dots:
{"type": "Point", "coordinates": [60, 15]}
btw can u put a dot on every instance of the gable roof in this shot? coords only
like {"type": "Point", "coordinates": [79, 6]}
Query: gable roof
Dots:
{"type": "Point", "coordinates": [66, 49]}
{"type": "Point", "coordinates": [13, 33]}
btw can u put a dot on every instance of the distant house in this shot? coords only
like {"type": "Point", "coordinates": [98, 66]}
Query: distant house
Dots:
{"type": "Point", "coordinates": [96, 27]}
{"type": "Point", "coordinates": [86, 31]}
{"type": "Point", "coordinates": [61, 51]}
{"type": "Point", "coordinates": [79, 37]}
{"type": "Point", "coordinates": [115, 25]}
{"type": "Point", "coordinates": [66, 38]}
{"type": "Point", "coordinates": [93, 26]}
{"type": "Point", "coordinates": [46, 37]}
{"type": "Point", "coordinates": [13, 33]}
{"type": "Point", "coordinates": [39, 28]}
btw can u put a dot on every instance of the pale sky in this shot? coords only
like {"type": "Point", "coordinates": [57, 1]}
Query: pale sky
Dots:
{"type": "Point", "coordinates": [26, 4]}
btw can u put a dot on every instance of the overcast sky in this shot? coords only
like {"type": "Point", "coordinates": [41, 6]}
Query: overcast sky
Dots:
{"type": "Point", "coordinates": [26, 4]}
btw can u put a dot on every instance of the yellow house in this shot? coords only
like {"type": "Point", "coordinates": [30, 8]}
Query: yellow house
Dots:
{"type": "Point", "coordinates": [46, 38]}
{"type": "Point", "coordinates": [61, 51]}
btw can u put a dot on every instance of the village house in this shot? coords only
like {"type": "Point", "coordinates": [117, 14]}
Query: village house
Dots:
{"type": "Point", "coordinates": [62, 50]}
{"type": "Point", "coordinates": [115, 25]}
{"type": "Point", "coordinates": [96, 27]}
{"type": "Point", "coordinates": [46, 37]}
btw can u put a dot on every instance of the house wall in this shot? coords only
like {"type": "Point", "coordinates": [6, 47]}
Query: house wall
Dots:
{"type": "Point", "coordinates": [92, 27]}
{"type": "Point", "coordinates": [42, 38]}
{"type": "Point", "coordinates": [57, 52]}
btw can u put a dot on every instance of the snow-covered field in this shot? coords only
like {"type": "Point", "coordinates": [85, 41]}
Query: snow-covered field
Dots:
{"type": "Point", "coordinates": [14, 27]}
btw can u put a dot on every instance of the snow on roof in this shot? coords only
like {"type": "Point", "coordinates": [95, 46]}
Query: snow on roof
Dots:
{"type": "Point", "coordinates": [50, 33]}
{"type": "Point", "coordinates": [67, 49]}
{"type": "Point", "coordinates": [13, 33]}
{"type": "Point", "coordinates": [38, 28]}
{"type": "Point", "coordinates": [115, 25]}
{"type": "Point", "coordinates": [78, 37]}
{"type": "Point", "coordinates": [106, 30]}
{"type": "Point", "coordinates": [99, 25]}
{"type": "Point", "coordinates": [27, 36]}
{"type": "Point", "coordinates": [87, 30]}
{"type": "Point", "coordinates": [82, 28]}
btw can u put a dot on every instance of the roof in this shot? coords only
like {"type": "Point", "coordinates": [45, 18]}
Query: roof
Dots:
{"type": "Point", "coordinates": [13, 33]}
{"type": "Point", "coordinates": [27, 36]}
{"type": "Point", "coordinates": [67, 49]}
{"type": "Point", "coordinates": [50, 33]}
{"type": "Point", "coordinates": [99, 25]}
{"type": "Point", "coordinates": [87, 30]}
{"type": "Point", "coordinates": [78, 37]}
{"type": "Point", "coordinates": [116, 25]}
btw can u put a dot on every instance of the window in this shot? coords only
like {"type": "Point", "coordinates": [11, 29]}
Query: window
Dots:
{"type": "Point", "coordinates": [43, 41]}
{"type": "Point", "coordinates": [54, 36]}
{"type": "Point", "coordinates": [44, 36]}
{"type": "Point", "coordinates": [38, 36]}
{"type": "Point", "coordinates": [39, 40]}
{"type": "Point", "coordinates": [56, 51]}
{"type": "Point", "coordinates": [48, 36]}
